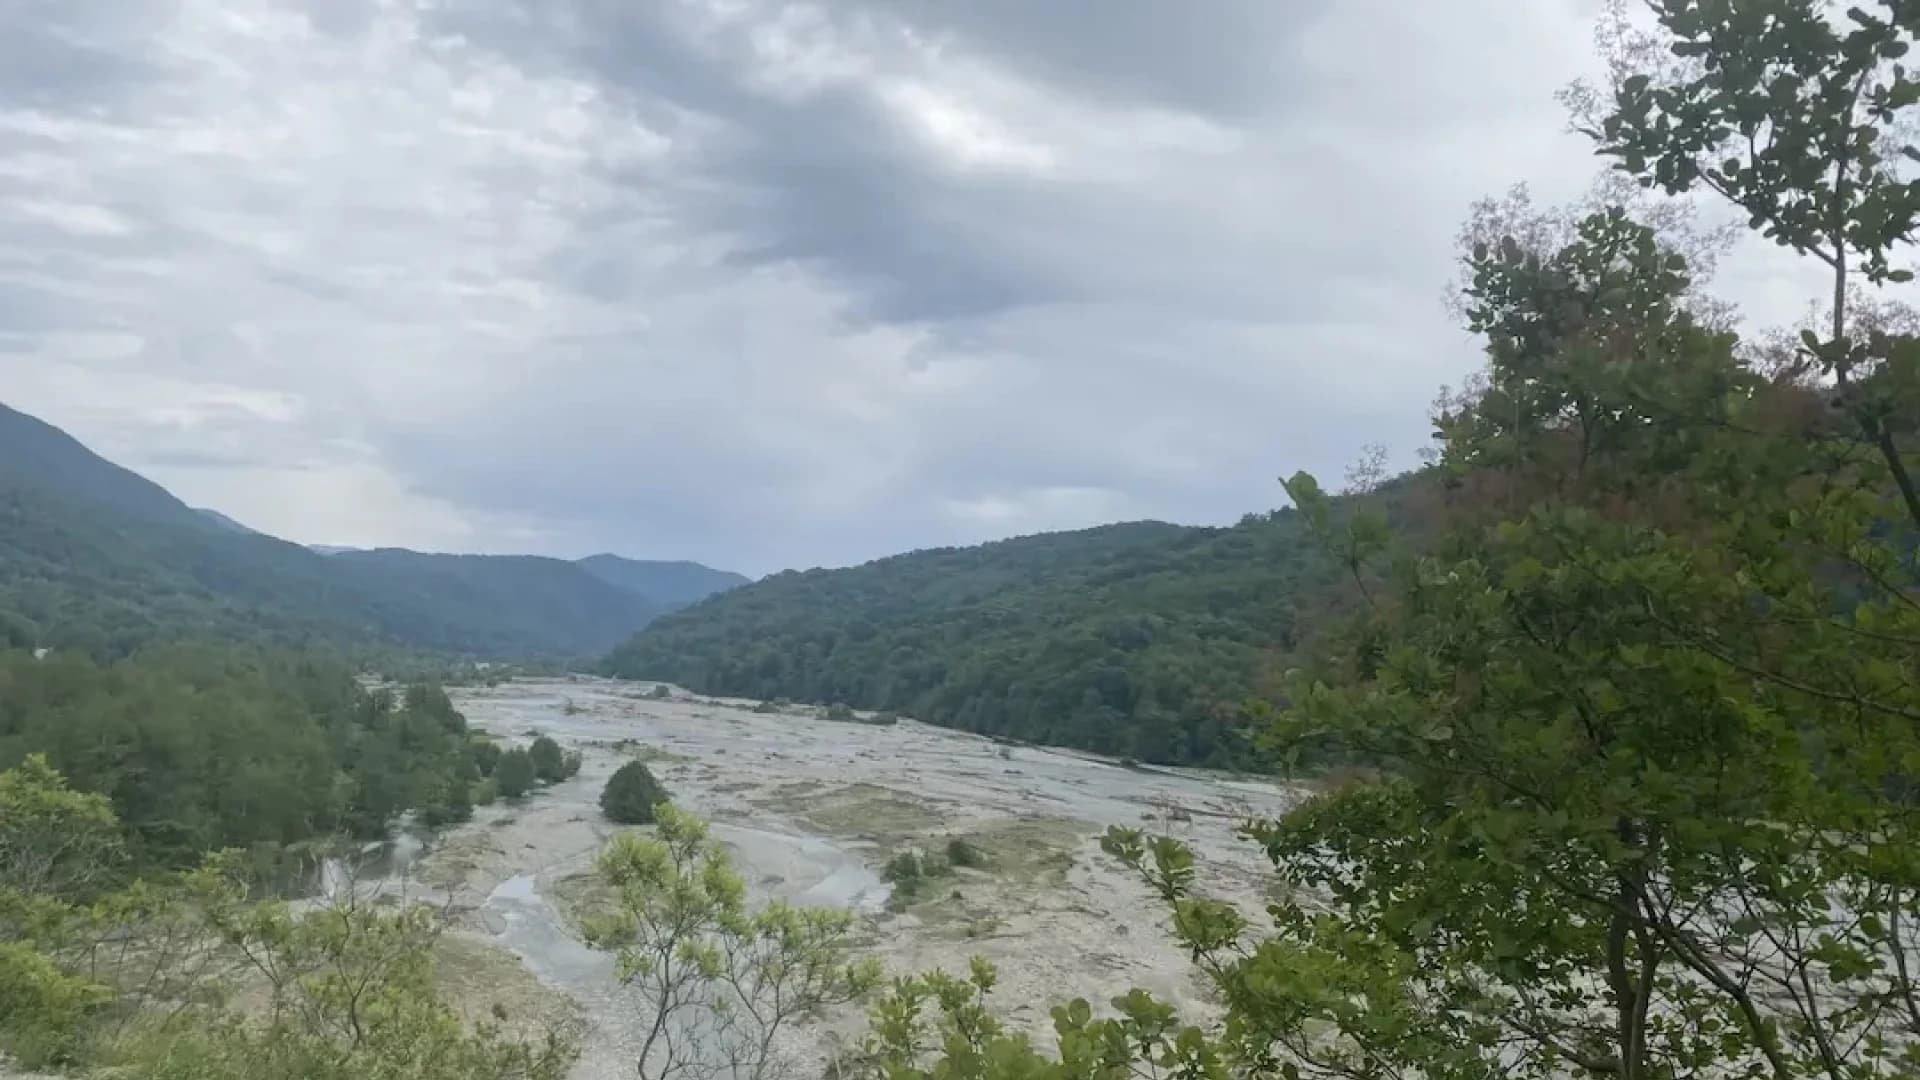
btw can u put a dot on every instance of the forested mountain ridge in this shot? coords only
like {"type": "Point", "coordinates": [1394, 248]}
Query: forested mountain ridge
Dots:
{"type": "Point", "coordinates": [670, 584]}
{"type": "Point", "coordinates": [96, 558]}
{"type": "Point", "coordinates": [34, 453]}
{"type": "Point", "coordinates": [664, 584]}
{"type": "Point", "coordinates": [1139, 639]}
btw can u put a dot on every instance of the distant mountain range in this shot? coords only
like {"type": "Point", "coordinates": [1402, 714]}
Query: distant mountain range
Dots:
{"type": "Point", "coordinates": [96, 557]}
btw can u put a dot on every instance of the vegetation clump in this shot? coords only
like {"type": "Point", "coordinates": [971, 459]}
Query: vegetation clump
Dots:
{"type": "Point", "coordinates": [632, 795]}
{"type": "Point", "coordinates": [551, 764]}
{"type": "Point", "coordinates": [515, 775]}
{"type": "Point", "coordinates": [698, 959]}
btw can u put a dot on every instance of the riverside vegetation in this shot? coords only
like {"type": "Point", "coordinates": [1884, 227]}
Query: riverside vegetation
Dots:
{"type": "Point", "coordinates": [1642, 694]}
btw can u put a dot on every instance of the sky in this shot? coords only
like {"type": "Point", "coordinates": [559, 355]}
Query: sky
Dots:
{"type": "Point", "coordinates": [756, 283]}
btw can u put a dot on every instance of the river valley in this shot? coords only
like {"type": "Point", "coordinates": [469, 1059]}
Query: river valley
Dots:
{"type": "Point", "coordinates": [810, 810]}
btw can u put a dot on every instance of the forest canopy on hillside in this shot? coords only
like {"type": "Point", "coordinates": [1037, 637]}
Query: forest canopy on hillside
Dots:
{"type": "Point", "coordinates": [1141, 640]}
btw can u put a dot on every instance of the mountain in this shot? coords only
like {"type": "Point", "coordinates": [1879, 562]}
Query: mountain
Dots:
{"type": "Point", "coordinates": [34, 452]}
{"type": "Point", "coordinates": [668, 584]}
{"type": "Point", "coordinates": [1138, 639]}
{"type": "Point", "coordinates": [215, 517]}
{"type": "Point", "coordinates": [551, 599]}
{"type": "Point", "coordinates": [96, 558]}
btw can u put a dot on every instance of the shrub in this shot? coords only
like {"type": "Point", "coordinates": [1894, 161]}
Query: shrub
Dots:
{"type": "Point", "coordinates": [43, 1009]}
{"type": "Point", "coordinates": [905, 871]}
{"type": "Point", "coordinates": [766, 708]}
{"type": "Point", "coordinates": [908, 872]}
{"type": "Point", "coordinates": [485, 754]}
{"type": "Point", "coordinates": [839, 713]}
{"type": "Point", "coordinates": [450, 803]}
{"type": "Point", "coordinates": [962, 853]}
{"type": "Point", "coordinates": [550, 764]}
{"type": "Point", "coordinates": [660, 692]}
{"type": "Point", "coordinates": [883, 719]}
{"type": "Point", "coordinates": [514, 776]}
{"type": "Point", "coordinates": [631, 795]}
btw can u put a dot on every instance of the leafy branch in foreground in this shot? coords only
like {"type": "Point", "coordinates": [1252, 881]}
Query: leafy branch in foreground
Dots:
{"type": "Point", "coordinates": [717, 983]}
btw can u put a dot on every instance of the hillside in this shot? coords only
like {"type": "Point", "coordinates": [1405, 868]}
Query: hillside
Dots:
{"type": "Point", "coordinates": [551, 600]}
{"type": "Point", "coordinates": [669, 584]}
{"type": "Point", "coordinates": [1136, 639]}
{"type": "Point", "coordinates": [95, 558]}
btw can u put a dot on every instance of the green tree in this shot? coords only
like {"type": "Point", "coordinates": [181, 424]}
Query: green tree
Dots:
{"type": "Point", "coordinates": [1647, 711]}
{"type": "Point", "coordinates": [632, 794]}
{"type": "Point", "coordinates": [716, 982]}
{"type": "Point", "coordinates": [939, 1027]}
{"type": "Point", "coordinates": [551, 764]}
{"type": "Point", "coordinates": [55, 842]}
{"type": "Point", "coordinates": [514, 776]}
{"type": "Point", "coordinates": [1799, 113]}
{"type": "Point", "coordinates": [485, 753]}
{"type": "Point", "coordinates": [350, 994]}
{"type": "Point", "coordinates": [130, 981]}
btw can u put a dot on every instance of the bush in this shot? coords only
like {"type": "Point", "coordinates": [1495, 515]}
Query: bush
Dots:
{"type": "Point", "coordinates": [909, 872]}
{"type": "Point", "coordinates": [839, 713]}
{"type": "Point", "coordinates": [514, 776]}
{"type": "Point", "coordinates": [766, 708]}
{"type": "Point", "coordinates": [43, 1010]}
{"type": "Point", "coordinates": [660, 692]}
{"type": "Point", "coordinates": [883, 719]}
{"type": "Point", "coordinates": [962, 853]}
{"type": "Point", "coordinates": [904, 871]}
{"type": "Point", "coordinates": [485, 754]}
{"type": "Point", "coordinates": [450, 803]}
{"type": "Point", "coordinates": [550, 764]}
{"type": "Point", "coordinates": [485, 792]}
{"type": "Point", "coordinates": [631, 794]}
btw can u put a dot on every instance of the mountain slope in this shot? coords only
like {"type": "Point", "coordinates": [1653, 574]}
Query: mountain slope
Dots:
{"type": "Point", "coordinates": [95, 557]}
{"type": "Point", "coordinates": [35, 453]}
{"type": "Point", "coordinates": [1139, 639]}
{"type": "Point", "coordinates": [667, 584]}
{"type": "Point", "coordinates": [223, 521]}
{"type": "Point", "coordinates": [555, 600]}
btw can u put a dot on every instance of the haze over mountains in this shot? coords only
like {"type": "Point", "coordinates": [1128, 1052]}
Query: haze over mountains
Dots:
{"type": "Point", "coordinates": [96, 557]}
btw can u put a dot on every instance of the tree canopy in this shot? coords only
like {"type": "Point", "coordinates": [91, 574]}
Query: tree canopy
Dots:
{"type": "Point", "coordinates": [1141, 640]}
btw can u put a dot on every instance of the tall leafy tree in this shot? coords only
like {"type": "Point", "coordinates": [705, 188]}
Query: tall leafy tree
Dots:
{"type": "Point", "coordinates": [1649, 707]}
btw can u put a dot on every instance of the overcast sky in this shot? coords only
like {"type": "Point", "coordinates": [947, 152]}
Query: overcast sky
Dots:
{"type": "Point", "coordinates": [756, 283]}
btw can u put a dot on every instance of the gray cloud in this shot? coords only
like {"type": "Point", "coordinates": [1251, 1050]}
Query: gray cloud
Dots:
{"type": "Point", "coordinates": [758, 283]}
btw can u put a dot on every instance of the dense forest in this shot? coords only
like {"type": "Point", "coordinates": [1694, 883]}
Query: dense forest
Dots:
{"type": "Point", "coordinates": [95, 559]}
{"type": "Point", "coordinates": [199, 749]}
{"type": "Point", "coordinates": [1142, 640]}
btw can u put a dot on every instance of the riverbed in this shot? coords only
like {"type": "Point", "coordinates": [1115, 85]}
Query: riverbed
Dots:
{"type": "Point", "coordinates": [810, 810]}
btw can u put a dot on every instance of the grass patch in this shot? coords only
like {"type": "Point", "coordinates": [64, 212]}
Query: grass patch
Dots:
{"type": "Point", "coordinates": [863, 811]}
{"type": "Point", "coordinates": [455, 860]}
{"type": "Point", "coordinates": [1028, 852]}
{"type": "Point", "coordinates": [1001, 857]}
